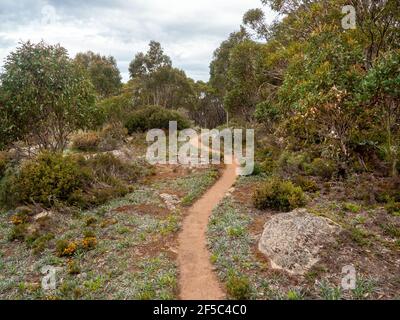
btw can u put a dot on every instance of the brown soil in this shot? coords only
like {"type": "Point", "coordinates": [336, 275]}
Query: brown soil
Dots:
{"type": "Point", "coordinates": [197, 281]}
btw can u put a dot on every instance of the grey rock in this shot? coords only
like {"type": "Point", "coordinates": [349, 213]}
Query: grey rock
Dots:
{"type": "Point", "coordinates": [293, 241]}
{"type": "Point", "coordinates": [43, 215]}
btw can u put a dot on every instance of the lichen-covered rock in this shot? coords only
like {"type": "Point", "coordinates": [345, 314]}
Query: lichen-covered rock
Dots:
{"type": "Point", "coordinates": [170, 200]}
{"type": "Point", "coordinates": [292, 241]}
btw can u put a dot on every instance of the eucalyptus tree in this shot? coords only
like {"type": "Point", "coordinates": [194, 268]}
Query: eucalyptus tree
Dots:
{"type": "Point", "coordinates": [45, 96]}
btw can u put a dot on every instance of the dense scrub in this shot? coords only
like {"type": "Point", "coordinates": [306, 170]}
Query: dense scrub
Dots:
{"type": "Point", "coordinates": [109, 138]}
{"type": "Point", "coordinates": [154, 117]}
{"type": "Point", "coordinates": [51, 178]}
{"type": "Point", "coordinates": [4, 161]}
{"type": "Point", "coordinates": [330, 95]}
{"type": "Point", "coordinates": [279, 195]}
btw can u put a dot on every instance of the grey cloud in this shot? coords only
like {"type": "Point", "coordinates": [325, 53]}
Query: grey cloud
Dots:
{"type": "Point", "coordinates": [188, 30]}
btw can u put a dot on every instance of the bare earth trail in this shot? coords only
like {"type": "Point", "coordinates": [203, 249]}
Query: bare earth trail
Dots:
{"type": "Point", "coordinates": [197, 280]}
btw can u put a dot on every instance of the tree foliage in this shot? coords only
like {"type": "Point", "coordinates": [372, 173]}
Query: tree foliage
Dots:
{"type": "Point", "coordinates": [153, 60]}
{"type": "Point", "coordinates": [45, 96]}
{"type": "Point", "coordinates": [314, 83]}
{"type": "Point", "coordinates": [103, 72]}
{"type": "Point", "coordinates": [157, 82]}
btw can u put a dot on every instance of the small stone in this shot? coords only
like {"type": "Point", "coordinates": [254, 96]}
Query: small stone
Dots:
{"type": "Point", "coordinates": [43, 215]}
{"type": "Point", "coordinates": [170, 200]}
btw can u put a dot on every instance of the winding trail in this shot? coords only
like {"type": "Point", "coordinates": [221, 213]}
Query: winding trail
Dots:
{"type": "Point", "coordinates": [197, 280]}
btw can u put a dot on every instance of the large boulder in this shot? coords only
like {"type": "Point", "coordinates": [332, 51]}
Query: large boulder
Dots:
{"type": "Point", "coordinates": [292, 241]}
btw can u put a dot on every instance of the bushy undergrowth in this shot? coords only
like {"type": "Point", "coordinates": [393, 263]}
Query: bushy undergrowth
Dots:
{"type": "Point", "coordinates": [304, 163]}
{"type": "Point", "coordinates": [154, 117]}
{"type": "Point", "coordinates": [52, 177]}
{"type": "Point", "coordinates": [293, 162]}
{"type": "Point", "coordinates": [278, 195]}
{"type": "Point", "coordinates": [86, 141]}
{"type": "Point", "coordinates": [4, 160]}
{"type": "Point", "coordinates": [306, 184]}
{"type": "Point", "coordinates": [108, 139]}
{"type": "Point", "coordinates": [238, 286]}
{"type": "Point", "coordinates": [323, 168]}
{"type": "Point", "coordinates": [47, 178]}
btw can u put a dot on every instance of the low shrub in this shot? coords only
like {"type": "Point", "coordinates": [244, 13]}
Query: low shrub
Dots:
{"type": "Point", "coordinates": [40, 243]}
{"type": "Point", "coordinates": [390, 229]}
{"type": "Point", "coordinates": [154, 117]}
{"type": "Point", "coordinates": [18, 232]}
{"type": "Point", "coordinates": [109, 169]}
{"type": "Point", "coordinates": [108, 139]}
{"type": "Point", "coordinates": [393, 208]}
{"type": "Point", "coordinates": [293, 163]}
{"type": "Point", "coordinates": [97, 195]}
{"type": "Point", "coordinates": [4, 161]}
{"type": "Point", "coordinates": [45, 179]}
{"type": "Point", "coordinates": [323, 168]}
{"type": "Point", "coordinates": [73, 268]}
{"type": "Point", "coordinates": [238, 286]}
{"type": "Point", "coordinates": [266, 167]}
{"type": "Point", "coordinates": [360, 236]}
{"type": "Point", "coordinates": [89, 243]}
{"type": "Point", "coordinates": [66, 248]}
{"type": "Point", "coordinates": [73, 180]}
{"type": "Point", "coordinates": [86, 141]}
{"type": "Point", "coordinates": [306, 184]}
{"type": "Point", "coordinates": [351, 207]}
{"type": "Point", "coordinates": [279, 195]}
{"type": "Point", "coordinates": [111, 136]}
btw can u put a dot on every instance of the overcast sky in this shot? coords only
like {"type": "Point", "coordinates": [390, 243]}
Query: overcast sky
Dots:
{"type": "Point", "coordinates": [189, 30]}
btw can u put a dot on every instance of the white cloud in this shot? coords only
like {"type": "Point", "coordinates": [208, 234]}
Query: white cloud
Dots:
{"type": "Point", "coordinates": [188, 30]}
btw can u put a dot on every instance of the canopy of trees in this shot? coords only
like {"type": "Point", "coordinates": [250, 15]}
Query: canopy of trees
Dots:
{"type": "Point", "coordinates": [315, 82]}
{"type": "Point", "coordinates": [103, 72]}
{"type": "Point", "coordinates": [45, 97]}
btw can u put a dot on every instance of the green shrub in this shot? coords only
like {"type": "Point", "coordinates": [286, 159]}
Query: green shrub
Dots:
{"type": "Point", "coordinates": [267, 166]}
{"type": "Point", "coordinates": [4, 161]}
{"type": "Point", "coordinates": [393, 208]}
{"type": "Point", "coordinates": [40, 243]}
{"type": "Point", "coordinates": [279, 195]}
{"type": "Point", "coordinates": [86, 141]}
{"type": "Point", "coordinates": [108, 168]}
{"type": "Point", "coordinates": [351, 207]}
{"type": "Point", "coordinates": [66, 248]}
{"type": "Point", "coordinates": [257, 169]}
{"type": "Point", "coordinates": [306, 184]}
{"type": "Point", "coordinates": [294, 295]}
{"type": "Point", "coordinates": [73, 268]}
{"type": "Point", "coordinates": [293, 163]}
{"type": "Point", "coordinates": [108, 139]}
{"type": "Point", "coordinates": [73, 180]}
{"type": "Point", "coordinates": [18, 232]}
{"type": "Point", "coordinates": [323, 168]}
{"type": "Point", "coordinates": [238, 286]}
{"type": "Point", "coordinates": [360, 236]}
{"type": "Point", "coordinates": [391, 230]}
{"type": "Point", "coordinates": [111, 136]}
{"type": "Point", "coordinates": [98, 195]}
{"type": "Point", "coordinates": [111, 178]}
{"type": "Point", "coordinates": [48, 178]}
{"type": "Point", "coordinates": [154, 117]}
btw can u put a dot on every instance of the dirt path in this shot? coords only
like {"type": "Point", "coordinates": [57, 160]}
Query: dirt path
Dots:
{"type": "Point", "coordinates": [197, 280]}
